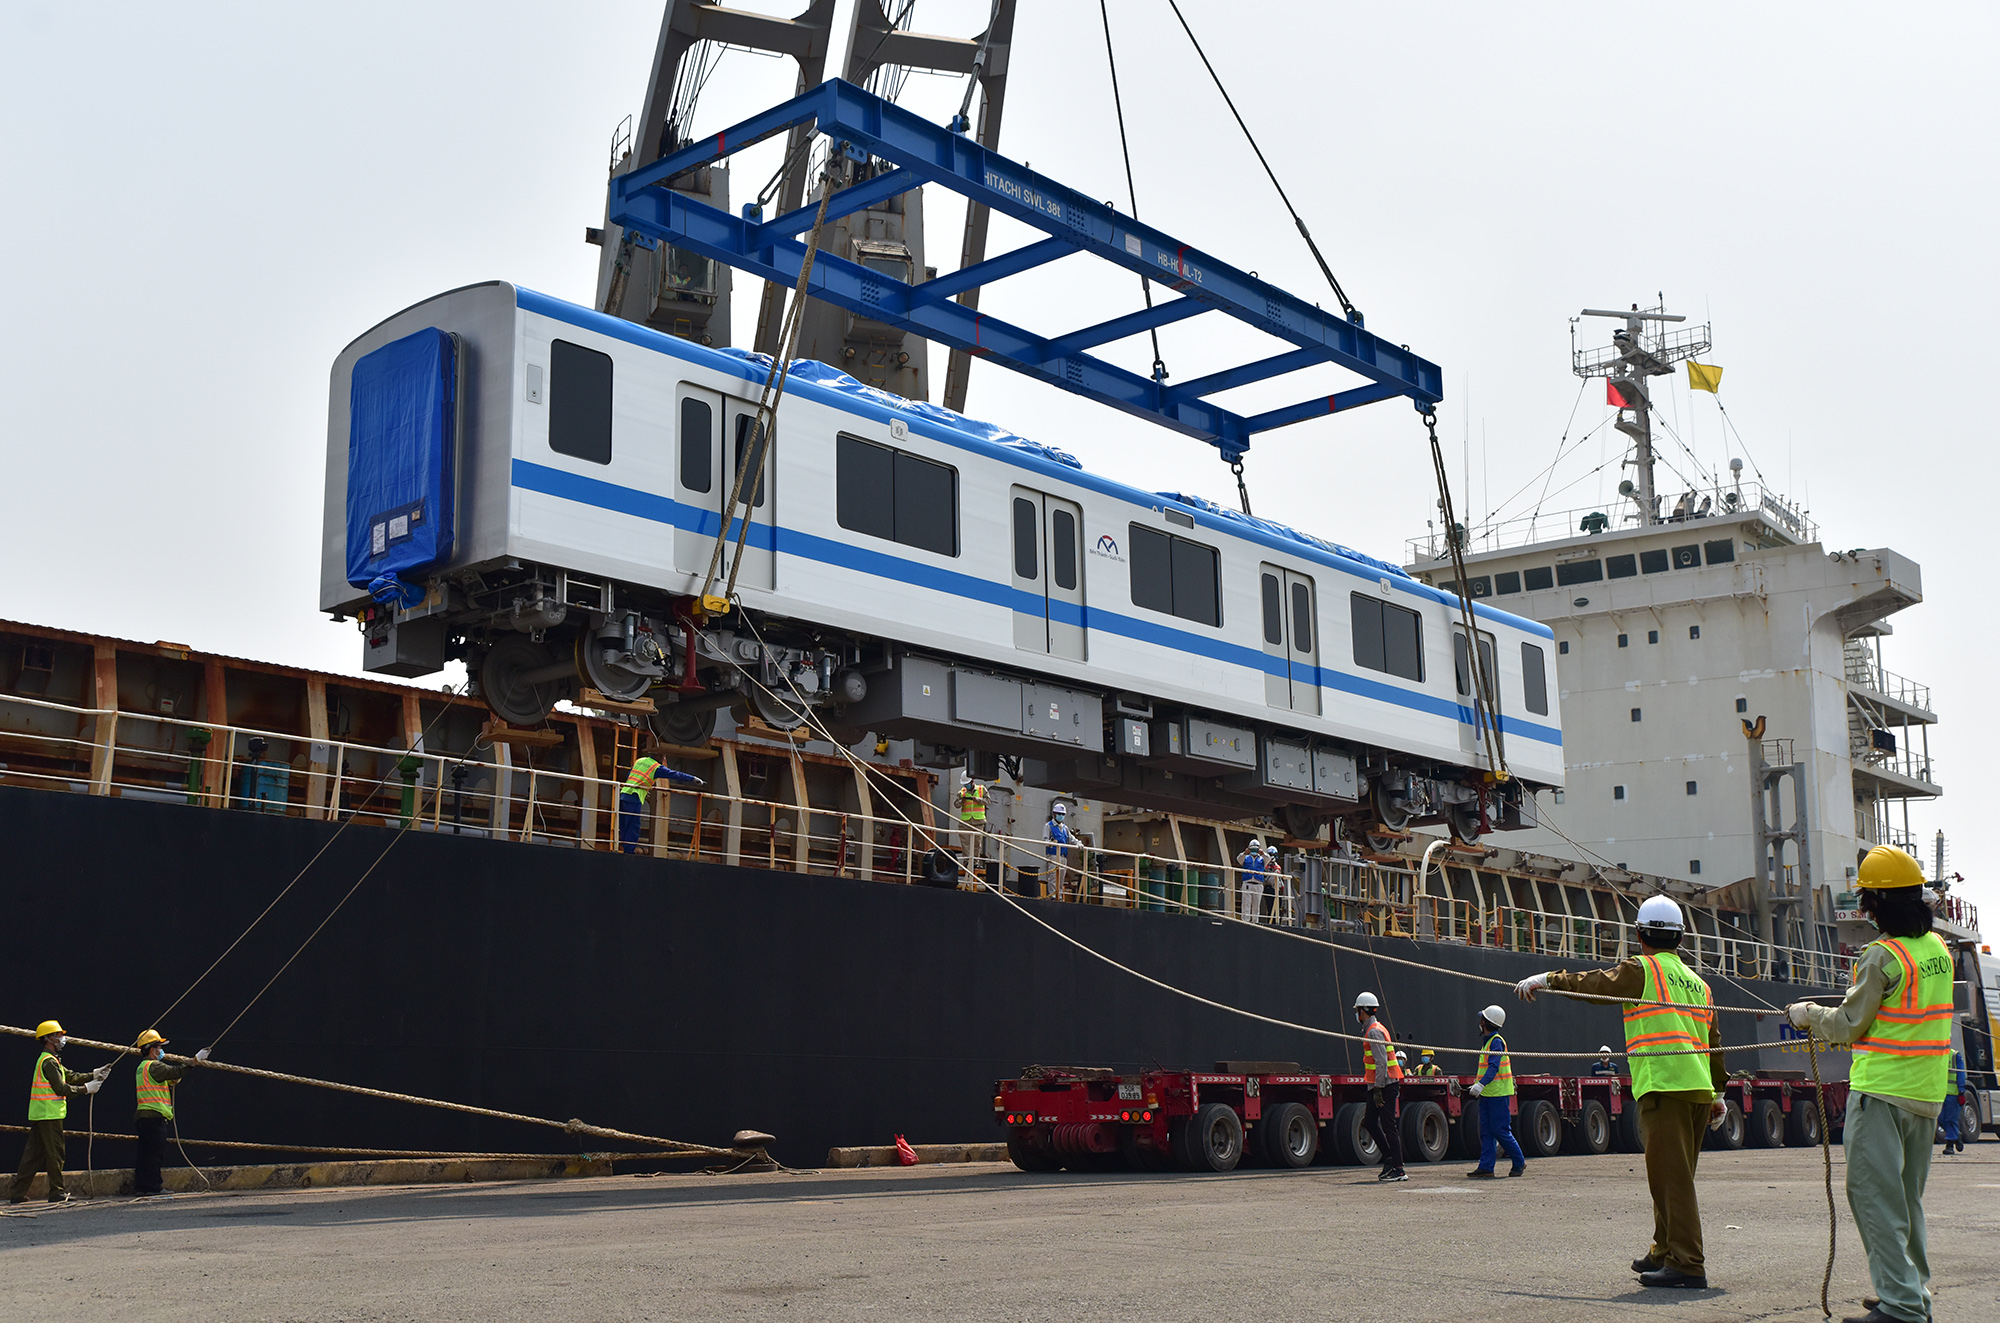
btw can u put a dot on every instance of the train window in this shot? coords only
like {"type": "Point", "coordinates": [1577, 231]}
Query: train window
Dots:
{"type": "Point", "coordinates": [1387, 638]}
{"type": "Point", "coordinates": [1062, 547]}
{"type": "Point", "coordinates": [1535, 679]}
{"type": "Point", "coordinates": [1302, 615]}
{"type": "Point", "coordinates": [1274, 610]}
{"type": "Point", "coordinates": [896, 495]}
{"type": "Point", "coordinates": [697, 444]}
{"type": "Point", "coordinates": [579, 402]}
{"type": "Point", "coordinates": [1654, 561]}
{"type": "Point", "coordinates": [1461, 664]}
{"type": "Point", "coordinates": [1539, 578]}
{"type": "Point", "coordinates": [1175, 575]}
{"type": "Point", "coordinates": [1508, 581]}
{"type": "Point", "coordinates": [753, 477]}
{"type": "Point", "coordinates": [1027, 560]}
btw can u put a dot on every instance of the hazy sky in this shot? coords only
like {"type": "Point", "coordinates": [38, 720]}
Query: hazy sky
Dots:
{"type": "Point", "coordinates": [205, 202]}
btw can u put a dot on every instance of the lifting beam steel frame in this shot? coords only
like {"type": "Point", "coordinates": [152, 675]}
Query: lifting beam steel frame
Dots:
{"type": "Point", "coordinates": [864, 125]}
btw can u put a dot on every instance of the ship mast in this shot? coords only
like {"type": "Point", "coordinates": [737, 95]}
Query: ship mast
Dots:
{"type": "Point", "coordinates": [1646, 347]}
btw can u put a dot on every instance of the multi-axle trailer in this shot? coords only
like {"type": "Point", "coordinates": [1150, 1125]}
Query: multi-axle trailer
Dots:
{"type": "Point", "coordinates": [1273, 1114]}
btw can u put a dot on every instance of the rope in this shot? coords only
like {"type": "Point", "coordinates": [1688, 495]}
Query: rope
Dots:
{"type": "Point", "coordinates": [1304, 233]}
{"type": "Point", "coordinates": [1482, 687]}
{"type": "Point", "coordinates": [380, 1152]}
{"type": "Point", "coordinates": [1826, 1161]}
{"type": "Point", "coordinates": [678, 1148]}
{"type": "Point", "coordinates": [1132, 193]}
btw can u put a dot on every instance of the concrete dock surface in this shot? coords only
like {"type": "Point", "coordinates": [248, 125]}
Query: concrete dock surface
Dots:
{"type": "Point", "coordinates": [976, 1241]}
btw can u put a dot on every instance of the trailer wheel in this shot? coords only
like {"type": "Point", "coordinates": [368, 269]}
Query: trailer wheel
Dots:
{"type": "Point", "coordinates": [1539, 1128]}
{"type": "Point", "coordinates": [1625, 1130]}
{"type": "Point", "coordinates": [1290, 1135]}
{"type": "Point", "coordinates": [1802, 1126]}
{"type": "Point", "coordinates": [1426, 1131]}
{"type": "Point", "coordinates": [1353, 1146]}
{"type": "Point", "coordinates": [1465, 1133]}
{"type": "Point", "coordinates": [1215, 1138]}
{"type": "Point", "coordinates": [1029, 1158]}
{"type": "Point", "coordinates": [1591, 1131]}
{"type": "Point", "coordinates": [1765, 1126]}
{"type": "Point", "coordinates": [1140, 1157]}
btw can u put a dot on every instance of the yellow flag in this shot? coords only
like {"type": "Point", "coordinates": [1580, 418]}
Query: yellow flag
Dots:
{"type": "Point", "coordinates": [1702, 376]}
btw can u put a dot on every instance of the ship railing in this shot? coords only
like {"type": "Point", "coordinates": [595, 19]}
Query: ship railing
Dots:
{"type": "Point", "coordinates": [1724, 501]}
{"type": "Point", "coordinates": [109, 753]}
{"type": "Point", "coordinates": [1865, 671]}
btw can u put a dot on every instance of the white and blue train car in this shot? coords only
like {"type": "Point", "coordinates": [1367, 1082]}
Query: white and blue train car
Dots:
{"type": "Point", "coordinates": [537, 488]}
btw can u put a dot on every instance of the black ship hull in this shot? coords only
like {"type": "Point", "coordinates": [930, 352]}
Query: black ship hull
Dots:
{"type": "Point", "coordinates": [666, 998]}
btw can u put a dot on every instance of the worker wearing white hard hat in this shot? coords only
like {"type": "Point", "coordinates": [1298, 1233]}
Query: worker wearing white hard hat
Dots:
{"type": "Point", "coordinates": [1276, 885]}
{"type": "Point", "coordinates": [1604, 1065]}
{"type": "Point", "coordinates": [1250, 881]}
{"type": "Point", "coordinates": [1382, 1074]}
{"type": "Point", "coordinates": [1060, 838]}
{"type": "Point", "coordinates": [1672, 1048]}
{"type": "Point", "coordinates": [1493, 1085]}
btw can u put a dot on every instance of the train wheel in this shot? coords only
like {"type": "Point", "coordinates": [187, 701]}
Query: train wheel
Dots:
{"type": "Point", "coordinates": [1539, 1128]}
{"type": "Point", "coordinates": [1289, 1135]}
{"type": "Point", "coordinates": [1029, 1158]}
{"type": "Point", "coordinates": [1464, 820]}
{"type": "Point", "coordinates": [1426, 1131]}
{"type": "Point", "coordinates": [1766, 1124]}
{"type": "Point", "coordinates": [1802, 1126]}
{"type": "Point", "coordinates": [1353, 1146]}
{"type": "Point", "coordinates": [777, 707]}
{"type": "Point", "coordinates": [676, 726]}
{"type": "Point", "coordinates": [1591, 1131]}
{"type": "Point", "coordinates": [1391, 813]}
{"type": "Point", "coordinates": [522, 680]}
{"type": "Point", "coordinates": [1215, 1140]}
{"type": "Point", "coordinates": [613, 681]}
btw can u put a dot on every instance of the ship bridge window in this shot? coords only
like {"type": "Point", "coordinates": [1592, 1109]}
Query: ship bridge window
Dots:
{"type": "Point", "coordinates": [1539, 578]}
{"type": "Point", "coordinates": [1387, 638]}
{"type": "Point", "coordinates": [1580, 571]}
{"type": "Point", "coordinates": [1621, 567]}
{"type": "Point", "coordinates": [1719, 552]}
{"type": "Point", "coordinates": [1687, 558]}
{"type": "Point", "coordinates": [897, 496]}
{"type": "Point", "coordinates": [1654, 561]}
{"type": "Point", "coordinates": [1175, 575]}
{"type": "Point", "coordinates": [1507, 581]}
{"type": "Point", "coordinates": [579, 402]}
{"type": "Point", "coordinates": [1535, 679]}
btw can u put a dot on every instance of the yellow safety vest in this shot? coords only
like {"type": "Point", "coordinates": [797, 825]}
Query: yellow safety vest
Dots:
{"type": "Point", "coordinates": [1654, 1032]}
{"type": "Point", "coordinates": [44, 1103]}
{"type": "Point", "coordinates": [641, 779]}
{"type": "Point", "coordinates": [972, 804]}
{"type": "Point", "coordinates": [155, 1095]}
{"type": "Point", "coordinates": [1907, 1050]}
{"type": "Point", "coordinates": [1376, 1031]}
{"type": "Point", "coordinates": [1429, 1068]}
{"type": "Point", "coordinates": [1503, 1083]}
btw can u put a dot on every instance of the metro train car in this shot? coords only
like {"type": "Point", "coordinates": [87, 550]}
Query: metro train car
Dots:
{"type": "Point", "coordinates": [536, 488]}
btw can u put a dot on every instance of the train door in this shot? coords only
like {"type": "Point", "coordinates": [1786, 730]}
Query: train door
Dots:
{"type": "Point", "coordinates": [698, 432]}
{"type": "Point", "coordinates": [1291, 640]}
{"type": "Point", "coordinates": [759, 545]}
{"type": "Point", "coordinates": [1469, 738]}
{"type": "Point", "coordinates": [1048, 567]}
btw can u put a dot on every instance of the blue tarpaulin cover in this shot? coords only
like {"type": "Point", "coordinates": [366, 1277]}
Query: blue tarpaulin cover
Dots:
{"type": "Point", "coordinates": [402, 411]}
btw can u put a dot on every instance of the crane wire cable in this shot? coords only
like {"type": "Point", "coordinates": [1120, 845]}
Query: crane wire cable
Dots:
{"type": "Point", "coordinates": [1304, 233]}
{"type": "Point", "coordinates": [1131, 189]}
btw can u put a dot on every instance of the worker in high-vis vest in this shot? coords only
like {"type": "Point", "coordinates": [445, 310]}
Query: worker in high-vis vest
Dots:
{"type": "Point", "coordinates": [972, 812]}
{"type": "Point", "coordinates": [1897, 1014]}
{"type": "Point", "coordinates": [154, 1082]}
{"type": "Point", "coordinates": [632, 798]}
{"type": "Point", "coordinates": [1427, 1064]}
{"type": "Point", "coordinates": [1493, 1085]}
{"type": "Point", "coordinates": [1382, 1075]}
{"type": "Point", "coordinates": [1673, 1051]}
{"type": "Point", "coordinates": [49, 1090]}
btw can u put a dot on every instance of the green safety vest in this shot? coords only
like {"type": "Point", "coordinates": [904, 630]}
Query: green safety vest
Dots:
{"type": "Point", "coordinates": [44, 1103]}
{"type": "Point", "coordinates": [1503, 1083]}
{"type": "Point", "coordinates": [641, 779]}
{"type": "Point", "coordinates": [155, 1095]}
{"type": "Point", "coordinates": [1907, 1049]}
{"type": "Point", "coordinates": [1654, 1032]}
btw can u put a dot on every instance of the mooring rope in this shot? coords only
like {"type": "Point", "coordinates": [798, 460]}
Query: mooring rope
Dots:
{"type": "Point", "coordinates": [391, 1153]}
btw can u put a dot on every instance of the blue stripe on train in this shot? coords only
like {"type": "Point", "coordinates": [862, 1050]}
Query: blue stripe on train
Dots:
{"type": "Point", "coordinates": [603, 495]}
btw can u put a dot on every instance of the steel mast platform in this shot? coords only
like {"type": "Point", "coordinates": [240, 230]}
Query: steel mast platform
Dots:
{"type": "Point", "coordinates": [864, 126]}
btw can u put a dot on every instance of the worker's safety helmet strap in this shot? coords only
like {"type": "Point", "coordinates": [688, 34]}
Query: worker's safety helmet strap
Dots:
{"type": "Point", "coordinates": [1886, 866]}
{"type": "Point", "coordinates": [1494, 1016]}
{"type": "Point", "coordinates": [1660, 912]}
{"type": "Point", "coordinates": [47, 1027]}
{"type": "Point", "coordinates": [1366, 999]}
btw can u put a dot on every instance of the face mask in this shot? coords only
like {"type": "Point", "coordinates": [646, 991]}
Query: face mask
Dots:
{"type": "Point", "coordinates": [58, 1042]}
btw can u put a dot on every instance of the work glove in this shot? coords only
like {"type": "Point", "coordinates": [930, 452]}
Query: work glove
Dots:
{"type": "Point", "coordinates": [93, 1086]}
{"type": "Point", "coordinates": [1476, 1089]}
{"type": "Point", "coordinates": [1717, 1110]}
{"type": "Point", "coordinates": [1376, 1094]}
{"type": "Point", "coordinates": [201, 1055]}
{"type": "Point", "coordinates": [1796, 1013]}
{"type": "Point", "coordinates": [102, 1072]}
{"type": "Point", "coordinates": [1529, 986]}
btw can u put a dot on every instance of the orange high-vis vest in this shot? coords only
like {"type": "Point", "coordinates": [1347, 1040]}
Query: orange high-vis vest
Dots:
{"type": "Point", "coordinates": [1375, 1032]}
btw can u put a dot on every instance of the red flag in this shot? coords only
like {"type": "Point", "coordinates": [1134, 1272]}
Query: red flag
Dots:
{"type": "Point", "coordinates": [1616, 397]}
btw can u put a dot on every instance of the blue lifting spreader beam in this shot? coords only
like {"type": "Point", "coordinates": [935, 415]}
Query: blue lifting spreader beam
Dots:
{"type": "Point", "coordinates": [864, 125]}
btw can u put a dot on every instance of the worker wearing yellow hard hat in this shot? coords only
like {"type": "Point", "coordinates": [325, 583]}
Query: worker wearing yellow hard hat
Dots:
{"type": "Point", "coordinates": [155, 1085]}
{"type": "Point", "coordinates": [1897, 1014]}
{"type": "Point", "coordinates": [49, 1090]}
